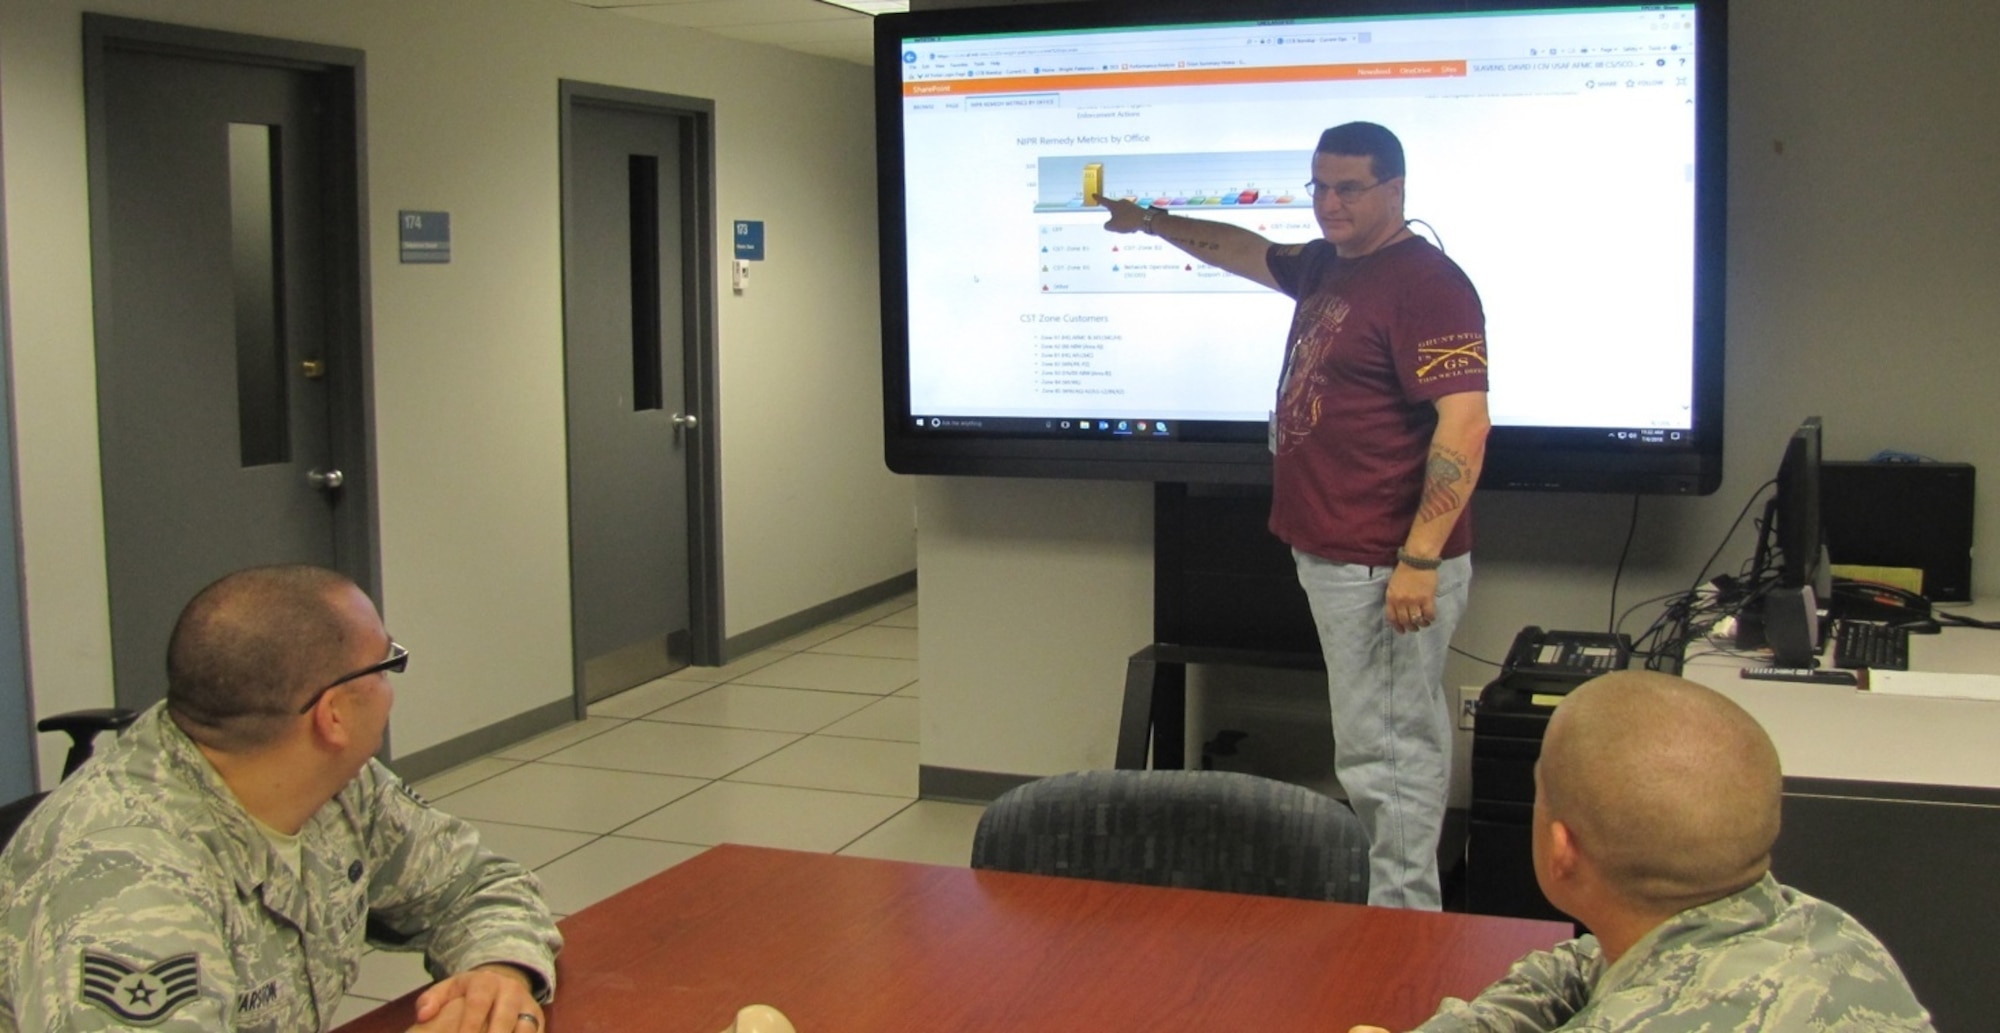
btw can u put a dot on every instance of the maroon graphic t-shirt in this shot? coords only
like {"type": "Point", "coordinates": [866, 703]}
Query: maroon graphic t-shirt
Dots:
{"type": "Point", "coordinates": [1374, 341]}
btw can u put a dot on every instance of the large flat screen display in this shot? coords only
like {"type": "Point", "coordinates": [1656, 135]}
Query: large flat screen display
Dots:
{"type": "Point", "coordinates": [1567, 156]}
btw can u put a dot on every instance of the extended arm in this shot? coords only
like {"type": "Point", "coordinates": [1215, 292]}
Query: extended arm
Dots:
{"type": "Point", "coordinates": [1229, 248]}
{"type": "Point", "coordinates": [1458, 448]}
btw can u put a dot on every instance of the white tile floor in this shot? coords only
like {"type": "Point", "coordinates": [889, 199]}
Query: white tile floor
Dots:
{"type": "Point", "coordinates": [808, 745]}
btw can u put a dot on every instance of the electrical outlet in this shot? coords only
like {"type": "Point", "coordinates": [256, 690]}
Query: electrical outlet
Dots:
{"type": "Point", "coordinates": [1468, 706]}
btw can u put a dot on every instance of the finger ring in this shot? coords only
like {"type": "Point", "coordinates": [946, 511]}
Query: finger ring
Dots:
{"type": "Point", "coordinates": [530, 1018]}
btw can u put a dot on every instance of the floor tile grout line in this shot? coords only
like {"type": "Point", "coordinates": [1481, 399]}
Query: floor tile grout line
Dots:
{"type": "Point", "coordinates": [668, 842]}
{"type": "Point", "coordinates": [669, 774]}
{"type": "Point", "coordinates": [855, 692]}
{"type": "Point", "coordinates": [730, 775]}
{"type": "Point", "coordinates": [822, 789]}
{"type": "Point", "coordinates": [757, 728]}
{"type": "Point", "coordinates": [848, 692]}
{"type": "Point", "coordinates": [617, 721]}
{"type": "Point", "coordinates": [910, 797]}
{"type": "Point", "coordinates": [797, 737]}
{"type": "Point", "coordinates": [747, 685]}
{"type": "Point", "coordinates": [867, 738]}
{"type": "Point", "coordinates": [900, 811]}
{"type": "Point", "coordinates": [684, 699]}
{"type": "Point", "coordinates": [433, 798]}
{"type": "Point", "coordinates": [714, 782]}
{"type": "Point", "coordinates": [711, 783]}
{"type": "Point", "coordinates": [684, 724]}
{"type": "Point", "coordinates": [594, 837]}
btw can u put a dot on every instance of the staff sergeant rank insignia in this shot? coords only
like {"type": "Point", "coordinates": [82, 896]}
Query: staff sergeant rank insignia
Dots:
{"type": "Point", "coordinates": [140, 996]}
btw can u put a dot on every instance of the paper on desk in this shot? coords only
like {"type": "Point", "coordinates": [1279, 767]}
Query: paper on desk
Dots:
{"type": "Point", "coordinates": [1909, 579]}
{"type": "Point", "coordinates": [1935, 684]}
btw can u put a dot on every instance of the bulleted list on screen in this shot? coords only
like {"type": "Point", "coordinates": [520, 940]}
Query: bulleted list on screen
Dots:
{"type": "Point", "coordinates": [1070, 363]}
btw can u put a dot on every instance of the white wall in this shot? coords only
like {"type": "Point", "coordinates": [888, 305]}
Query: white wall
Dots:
{"type": "Point", "coordinates": [1864, 286]}
{"type": "Point", "coordinates": [1034, 593]}
{"type": "Point", "coordinates": [462, 116]}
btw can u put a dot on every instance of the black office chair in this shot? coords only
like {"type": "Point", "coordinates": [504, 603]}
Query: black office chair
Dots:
{"type": "Point", "coordinates": [1214, 830]}
{"type": "Point", "coordinates": [82, 727]}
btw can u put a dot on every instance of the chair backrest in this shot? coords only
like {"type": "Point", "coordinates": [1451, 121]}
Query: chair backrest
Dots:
{"type": "Point", "coordinates": [82, 727]}
{"type": "Point", "coordinates": [1216, 830]}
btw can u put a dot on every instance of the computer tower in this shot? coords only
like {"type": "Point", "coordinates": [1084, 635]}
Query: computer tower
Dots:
{"type": "Point", "coordinates": [1902, 515]}
{"type": "Point", "coordinates": [1499, 850]}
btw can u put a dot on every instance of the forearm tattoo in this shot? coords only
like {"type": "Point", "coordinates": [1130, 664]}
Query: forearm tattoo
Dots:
{"type": "Point", "coordinates": [1191, 244]}
{"type": "Point", "coordinates": [1445, 486]}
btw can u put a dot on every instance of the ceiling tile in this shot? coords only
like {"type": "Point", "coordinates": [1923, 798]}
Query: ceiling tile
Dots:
{"type": "Point", "coordinates": [793, 33]}
{"type": "Point", "coordinates": [809, 26]}
{"type": "Point", "coordinates": [715, 14]}
{"type": "Point", "coordinates": [859, 53]}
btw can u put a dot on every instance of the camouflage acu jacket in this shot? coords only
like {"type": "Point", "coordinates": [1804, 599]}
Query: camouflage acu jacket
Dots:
{"type": "Point", "coordinates": [141, 895]}
{"type": "Point", "coordinates": [1767, 958]}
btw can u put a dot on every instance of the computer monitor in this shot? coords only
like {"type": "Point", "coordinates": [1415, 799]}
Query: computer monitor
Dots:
{"type": "Point", "coordinates": [1792, 525]}
{"type": "Point", "coordinates": [1020, 339]}
{"type": "Point", "coordinates": [1798, 530]}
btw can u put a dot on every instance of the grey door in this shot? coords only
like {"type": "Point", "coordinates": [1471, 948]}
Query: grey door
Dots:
{"type": "Point", "coordinates": [626, 324]}
{"type": "Point", "coordinates": [218, 273]}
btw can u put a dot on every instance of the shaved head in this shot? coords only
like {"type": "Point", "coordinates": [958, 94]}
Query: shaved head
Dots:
{"type": "Point", "coordinates": [250, 647]}
{"type": "Point", "coordinates": [1669, 788]}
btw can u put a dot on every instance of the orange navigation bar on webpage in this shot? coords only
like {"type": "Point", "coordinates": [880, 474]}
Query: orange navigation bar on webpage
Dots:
{"type": "Point", "coordinates": [1189, 77]}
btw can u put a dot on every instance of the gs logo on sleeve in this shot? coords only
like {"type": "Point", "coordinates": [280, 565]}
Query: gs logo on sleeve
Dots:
{"type": "Point", "coordinates": [140, 996]}
{"type": "Point", "coordinates": [1450, 355]}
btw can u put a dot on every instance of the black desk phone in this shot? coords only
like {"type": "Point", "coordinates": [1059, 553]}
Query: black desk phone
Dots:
{"type": "Point", "coordinates": [1557, 661]}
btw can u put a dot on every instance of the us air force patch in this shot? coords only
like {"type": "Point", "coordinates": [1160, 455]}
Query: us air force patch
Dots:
{"type": "Point", "coordinates": [140, 996]}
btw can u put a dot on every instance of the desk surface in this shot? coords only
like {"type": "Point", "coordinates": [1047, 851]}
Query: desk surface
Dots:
{"type": "Point", "coordinates": [1839, 732]}
{"type": "Point", "coordinates": [849, 944]}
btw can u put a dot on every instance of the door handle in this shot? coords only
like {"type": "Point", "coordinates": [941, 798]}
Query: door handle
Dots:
{"type": "Point", "coordinates": [683, 421]}
{"type": "Point", "coordinates": [326, 480]}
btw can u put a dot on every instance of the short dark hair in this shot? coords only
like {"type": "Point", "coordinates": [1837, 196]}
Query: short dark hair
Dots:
{"type": "Point", "coordinates": [248, 648]}
{"type": "Point", "coordinates": [1365, 140]}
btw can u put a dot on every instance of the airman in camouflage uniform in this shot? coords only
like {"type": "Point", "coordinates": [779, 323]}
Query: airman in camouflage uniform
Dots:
{"type": "Point", "coordinates": [153, 891]}
{"type": "Point", "coordinates": [1767, 958]}
{"type": "Point", "coordinates": [1656, 807]}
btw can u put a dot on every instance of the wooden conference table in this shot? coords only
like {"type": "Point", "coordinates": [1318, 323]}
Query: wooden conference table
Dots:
{"type": "Point", "coordinates": [845, 944]}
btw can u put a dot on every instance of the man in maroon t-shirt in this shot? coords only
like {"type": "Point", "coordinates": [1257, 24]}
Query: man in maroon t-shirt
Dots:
{"type": "Point", "coordinates": [1377, 437]}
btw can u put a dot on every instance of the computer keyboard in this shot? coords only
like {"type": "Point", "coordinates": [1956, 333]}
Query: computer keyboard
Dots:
{"type": "Point", "coordinates": [1858, 644]}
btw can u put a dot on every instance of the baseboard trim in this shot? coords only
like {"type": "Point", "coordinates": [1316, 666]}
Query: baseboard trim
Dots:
{"type": "Point", "coordinates": [550, 716]}
{"type": "Point", "coordinates": [805, 620]}
{"type": "Point", "coordinates": [960, 785]}
{"type": "Point", "coordinates": [478, 743]}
